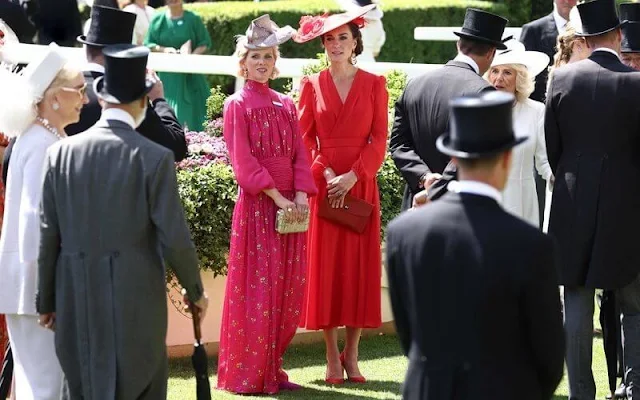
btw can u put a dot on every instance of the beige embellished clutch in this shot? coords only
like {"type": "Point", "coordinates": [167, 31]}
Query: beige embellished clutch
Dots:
{"type": "Point", "coordinates": [284, 226]}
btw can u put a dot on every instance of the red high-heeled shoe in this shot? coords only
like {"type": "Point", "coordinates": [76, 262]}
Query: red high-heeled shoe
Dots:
{"type": "Point", "coordinates": [335, 381]}
{"type": "Point", "coordinates": [352, 379]}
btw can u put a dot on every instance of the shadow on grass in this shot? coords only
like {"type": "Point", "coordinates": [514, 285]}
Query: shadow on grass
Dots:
{"type": "Point", "coordinates": [371, 348]}
{"type": "Point", "coordinates": [310, 355]}
{"type": "Point", "coordinates": [312, 393]}
{"type": "Point", "coordinates": [371, 385]}
{"type": "Point", "coordinates": [560, 397]}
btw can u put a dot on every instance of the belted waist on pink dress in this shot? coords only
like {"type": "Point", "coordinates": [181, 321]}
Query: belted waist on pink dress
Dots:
{"type": "Point", "coordinates": [329, 143]}
{"type": "Point", "coordinates": [281, 171]}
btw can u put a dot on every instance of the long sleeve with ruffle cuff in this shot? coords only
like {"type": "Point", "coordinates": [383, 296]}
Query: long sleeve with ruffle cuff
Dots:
{"type": "Point", "coordinates": [372, 155]}
{"type": "Point", "coordinates": [308, 132]}
{"type": "Point", "coordinates": [302, 176]}
{"type": "Point", "coordinates": [251, 176]}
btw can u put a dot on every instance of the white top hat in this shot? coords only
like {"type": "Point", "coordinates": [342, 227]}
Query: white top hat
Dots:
{"type": "Point", "coordinates": [515, 53]}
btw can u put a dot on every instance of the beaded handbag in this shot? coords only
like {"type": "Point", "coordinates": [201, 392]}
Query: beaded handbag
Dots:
{"type": "Point", "coordinates": [284, 225]}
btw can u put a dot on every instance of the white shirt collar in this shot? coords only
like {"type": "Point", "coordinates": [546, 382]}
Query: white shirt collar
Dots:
{"type": "Point", "coordinates": [608, 50]}
{"type": "Point", "coordinates": [561, 23]}
{"type": "Point", "coordinates": [118, 115]}
{"type": "Point", "coordinates": [468, 60]}
{"type": "Point", "coordinates": [93, 67]}
{"type": "Point", "coordinates": [475, 187]}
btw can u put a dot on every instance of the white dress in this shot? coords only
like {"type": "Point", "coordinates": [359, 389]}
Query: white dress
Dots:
{"type": "Point", "coordinates": [519, 195]}
{"type": "Point", "coordinates": [143, 18]}
{"type": "Point", "coordinates": [20, 239]}
{"type": "Point", "coordinates": [37, 372]}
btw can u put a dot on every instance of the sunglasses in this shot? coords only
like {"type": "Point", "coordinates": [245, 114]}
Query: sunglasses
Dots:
{"type": "Point", "coordinates": [81, 90]}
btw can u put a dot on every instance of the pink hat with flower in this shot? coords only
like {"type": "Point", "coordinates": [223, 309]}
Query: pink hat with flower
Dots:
{"type": "Point", "coordinates": [312, 27]}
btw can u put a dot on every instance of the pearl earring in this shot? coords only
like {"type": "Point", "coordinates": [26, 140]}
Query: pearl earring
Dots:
{"type": "Point", "coordinates": [55, 106]}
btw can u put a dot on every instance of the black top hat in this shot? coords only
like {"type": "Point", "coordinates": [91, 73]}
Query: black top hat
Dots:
{"type": "Point", "coordinates": [598, 17]}
{"type": "Point", "coordinates": [630, 38]}
{"type": "Point", "coordinates": [483, 26]}
{"type": "Point", "coordinates": [125, 72]}
{"type": "Point", "coordinates": [109, 26]}
{"type": "Point", "coordinates": [481, 126]}
{"type": "Point", "coordinates": [630, 12]}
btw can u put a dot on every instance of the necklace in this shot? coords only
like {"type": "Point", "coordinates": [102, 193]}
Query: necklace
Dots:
{"type": "Point", "coordinates": [45, 123]}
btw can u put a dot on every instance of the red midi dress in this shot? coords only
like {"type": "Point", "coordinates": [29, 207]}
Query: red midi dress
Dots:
{"type": "Point", "coordinates": [344, 269]}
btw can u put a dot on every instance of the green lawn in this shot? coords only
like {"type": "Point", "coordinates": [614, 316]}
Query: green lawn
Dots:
{"type": "Point", "coordinates": [381, 362]}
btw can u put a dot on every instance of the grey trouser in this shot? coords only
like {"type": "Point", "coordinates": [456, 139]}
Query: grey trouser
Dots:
{"type": "Point", "coordinates": [578, 324]}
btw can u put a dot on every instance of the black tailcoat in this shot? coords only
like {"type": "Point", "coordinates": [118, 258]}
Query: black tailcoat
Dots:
{"type": "Point", "coordinates": [541, 35]}
{"type": "Point", "coordinates": [421, 115]}
{"type": "Point", "coordinates": [592, 130]}
{"type": "Point", "coordinates": [13, 14]}
{"type": "Point", "coordinates": [475, 301]}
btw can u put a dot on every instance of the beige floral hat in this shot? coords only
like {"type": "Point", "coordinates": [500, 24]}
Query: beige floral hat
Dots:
{"type": "Point", "coordinates": [264, 33]}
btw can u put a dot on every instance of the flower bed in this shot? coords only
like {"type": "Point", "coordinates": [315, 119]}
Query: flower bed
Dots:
{"type": "Point", "coordinates": [208, 188]}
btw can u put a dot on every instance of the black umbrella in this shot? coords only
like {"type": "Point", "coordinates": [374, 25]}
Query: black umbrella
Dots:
{"type": "Point", "coordinates": [6, 374]}
{"type": "Point", "coordinates": [611, 338]}
{"type": "Point", "coordinates": [199, 360]}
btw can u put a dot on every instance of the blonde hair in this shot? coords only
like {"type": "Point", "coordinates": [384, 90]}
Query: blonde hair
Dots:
{"type": "Point", "coordinates": [564, 46]}
{"type": "Point", "coordinates": [525, 83]}
{"type": "Point", "coordinates": [19, 105]}
{"type": "Point", "coordinates": [63, 78]}
{"type": "Point", "coordinates": [242, 52]}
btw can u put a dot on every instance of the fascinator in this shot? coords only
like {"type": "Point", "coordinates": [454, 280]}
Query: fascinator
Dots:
{"type": "Point", "coordinates": [312, 27]}
{"type": "Point", "coordinates": [264, 33]}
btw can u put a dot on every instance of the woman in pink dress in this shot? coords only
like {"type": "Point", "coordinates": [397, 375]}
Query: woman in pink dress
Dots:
{"type": "Point", "coordinates": [266, 279]}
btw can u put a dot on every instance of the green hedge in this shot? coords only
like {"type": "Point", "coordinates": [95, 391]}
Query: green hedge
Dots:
{"type": "Point", "coordinates": [209, 192]}
{"type": "Point", "coordinates": [224, 20]}
{"type": "Point", "coordinates": [208, 195]}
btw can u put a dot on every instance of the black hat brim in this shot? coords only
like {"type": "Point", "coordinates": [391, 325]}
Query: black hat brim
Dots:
{"type": "Point", "coordinates": [103, 94]}
{"type": "Point", "coordinates": [83, 39]}
{"type": "Point", "coordinates": [499, 45]}
{"type": "Point", "coordinates": [581, 34]}
{"type": "Point", "coordinates": [629, 50]}
{"type": "Point", "coordinates": [443, 143]}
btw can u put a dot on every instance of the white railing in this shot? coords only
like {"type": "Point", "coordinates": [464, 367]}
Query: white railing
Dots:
{"type": "Point", "coordinates": [207, 64]}
{"type": "Point", "coordinates": [446, 33]}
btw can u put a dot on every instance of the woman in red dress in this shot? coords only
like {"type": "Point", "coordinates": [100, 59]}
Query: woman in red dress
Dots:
{"type": "Point", "coordinates": [343, 119]}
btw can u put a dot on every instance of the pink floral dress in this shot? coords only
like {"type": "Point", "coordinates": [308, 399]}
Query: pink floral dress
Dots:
{"type": "Point", "coordinates": [266, 278]}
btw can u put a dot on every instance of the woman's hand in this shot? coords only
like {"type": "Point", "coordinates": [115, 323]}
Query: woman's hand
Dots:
{"type": "Point", "coordinates": [48, 321]}
{"type": "Point", "coordinates": [290, 208]}
{"type": "Point", "coordinates": [302, 204]}
{"type": "Point", "coordinates": [329, 174]}
{"type": "Point", "coordinates": [340, 185]}
{"type": "Point", "coordinates": [170, 50]}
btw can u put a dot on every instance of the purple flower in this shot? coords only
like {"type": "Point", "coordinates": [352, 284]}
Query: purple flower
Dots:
{"type": "Point", "coordinates": [204, 149]}
{"type": "Point", "coordinates": [214, 128]}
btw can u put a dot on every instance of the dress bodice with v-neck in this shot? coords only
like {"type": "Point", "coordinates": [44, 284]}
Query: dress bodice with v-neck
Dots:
{"type": "Point", "coordinates": [343, 286]}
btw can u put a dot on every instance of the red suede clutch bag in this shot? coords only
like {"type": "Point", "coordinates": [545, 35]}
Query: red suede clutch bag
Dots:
{"type": "Point", "coordinates": [355, 213]}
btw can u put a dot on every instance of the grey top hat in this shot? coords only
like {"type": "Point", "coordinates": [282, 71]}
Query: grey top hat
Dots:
{"type": "Point", "coordinates": [264, 33]}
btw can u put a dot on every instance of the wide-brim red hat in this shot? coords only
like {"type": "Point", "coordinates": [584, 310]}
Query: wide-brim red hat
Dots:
{"type": "Point", "coordinates": [312, 27]}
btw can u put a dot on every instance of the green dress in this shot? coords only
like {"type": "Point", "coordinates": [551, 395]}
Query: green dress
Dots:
{"type": "Point", "coordinates": [186, 93]}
